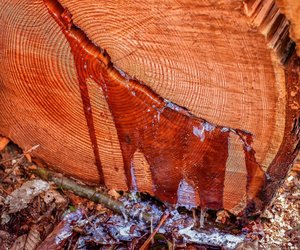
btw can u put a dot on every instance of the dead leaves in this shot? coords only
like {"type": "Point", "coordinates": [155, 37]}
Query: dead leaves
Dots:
{"type": "Point", "coordinates": [53, 196]}
{"type": "Point", "coordinates": [37, 213]}
{"type": "Point", "coordinates": [19, 243]}
{"type": "Point", "coordinates": [20, 197]}
{"type": "Point", "coordinates": [33, 239]}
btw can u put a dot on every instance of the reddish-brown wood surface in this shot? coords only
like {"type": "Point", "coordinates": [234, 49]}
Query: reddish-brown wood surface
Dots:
{"type": "Point", "coordinates": [101, 86]}
{"type": "Point", "coordinates": [291, 9]}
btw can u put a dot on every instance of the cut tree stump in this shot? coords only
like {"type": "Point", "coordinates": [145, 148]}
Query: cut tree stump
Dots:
{"type": "Point", "coordinates": [194, 102]}
{"type": "Point", "coordinates": [291, 9]}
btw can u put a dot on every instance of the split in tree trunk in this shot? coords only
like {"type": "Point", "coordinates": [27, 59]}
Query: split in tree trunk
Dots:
{"type": "Point", "coordinates": [230, 64]}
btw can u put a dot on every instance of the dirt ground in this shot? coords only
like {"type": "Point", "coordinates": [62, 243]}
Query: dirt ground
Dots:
{"type": "Point", "coordinates": [37, 214]}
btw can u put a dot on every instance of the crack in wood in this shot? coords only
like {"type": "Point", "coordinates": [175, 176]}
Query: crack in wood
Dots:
{"type": "Point", "coordinates": [161, 131]}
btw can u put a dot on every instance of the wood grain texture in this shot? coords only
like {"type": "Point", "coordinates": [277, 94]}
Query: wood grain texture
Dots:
{"type": "Point", "coordinates": [106, 134]}
{"type": "Point", "coordinates": [105, 96]}
{"type": "Point", "coordinates": [291, 9]}
{"type": "Point", "coordinates": [266, 15]}
{"type": "Point", "coordinates": [190, 52]}
{"type": "Point", "coordinates": [142, 173]}
{"type": "Point", "coordinates": [236, 172]}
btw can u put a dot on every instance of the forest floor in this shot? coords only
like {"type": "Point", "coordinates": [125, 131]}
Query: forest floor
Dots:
{"type": "Point", "coordinates": [39, 214]}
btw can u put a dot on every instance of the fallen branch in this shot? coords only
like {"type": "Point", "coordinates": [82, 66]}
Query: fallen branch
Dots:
{"type": "Point", "coordinates": [90, 193]}
{"type": "Point", "coordinates": [212, 237]}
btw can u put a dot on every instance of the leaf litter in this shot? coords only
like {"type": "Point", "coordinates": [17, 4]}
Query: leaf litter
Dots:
{"type": "Point", "coordinates": [20, 197]}
{"type": "Point", "coordinates": [39, 215]}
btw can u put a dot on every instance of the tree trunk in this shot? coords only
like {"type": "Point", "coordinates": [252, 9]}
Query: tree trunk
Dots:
{"type": "Point", "coordinates": [194, 102]}
{"type": "Point", "coordinates": [291, 9]}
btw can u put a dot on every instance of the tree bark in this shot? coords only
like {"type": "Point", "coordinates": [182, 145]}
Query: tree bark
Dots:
{"type": "Point", "coordinates": [292, 9]}
{"type": "Point", "coordinates": [196, 103]}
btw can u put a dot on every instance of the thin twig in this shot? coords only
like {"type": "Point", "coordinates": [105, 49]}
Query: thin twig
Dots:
{"type": "Point", "coordinates": [202, 217]}
{"type": "Point", "coordinates": [70, 242]}
{"type": "Point", "coordinates": [140, 239]}
{"type": "Point", "coordinates": [21, 156]}
{"type": "Point", "coordinates": [162, 221]}
{"type": "Point", "coordinates": [4, 191]}
{"type": "Point", "coordinates": [90, 193]}
{"type": "Point", "coordinates": [151, 230]}
{"type": "Point", "coordinates": [11, 159]}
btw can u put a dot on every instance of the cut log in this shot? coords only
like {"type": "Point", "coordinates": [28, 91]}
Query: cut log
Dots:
{"type": "Point", "coordinates": [291, 9]}
{"type": "Point", "coordinates": [195, 102]}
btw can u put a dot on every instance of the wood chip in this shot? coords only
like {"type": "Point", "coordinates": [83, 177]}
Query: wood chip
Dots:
{"type": "Point", "coordinates": [3, 142]}
{"type": "Point", "coordinates": [114, 194]}
{"type": "Point", "coordinates": [32, 167]}
{"type": "Point", "coordinates": [28, 157]}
